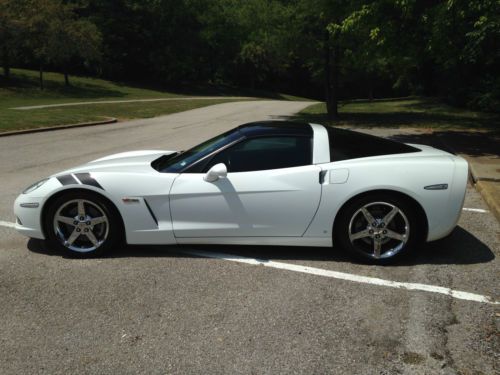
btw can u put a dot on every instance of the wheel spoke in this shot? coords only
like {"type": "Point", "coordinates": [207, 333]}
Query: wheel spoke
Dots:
{"type": "Point", "coordinates": [65, 220]}
{"type": "Point", "coordinates": [377, 246]}
{"type": "Point", "coordinates": [360, 234]}
{"type": "Point", "coordinates": [81, 208]}
{"type": "Point", "coordinates": [368, 216]}
{"type": "Point", "coordinates": [74, 222]}
{"type": "Point", "coordinates": [98, 220]}
{"type": "Point", "coordinates": [72, 238]}
{"type": "Point", "coordinates": [395, 235]}
{"type": "Point", "coordinates": [92, 238]}
{"type": "Point", "coordinates": [388, 218]}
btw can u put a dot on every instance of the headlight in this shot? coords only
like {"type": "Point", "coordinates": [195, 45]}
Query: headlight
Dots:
{"type": "Point", "coordinates": [35, 186]}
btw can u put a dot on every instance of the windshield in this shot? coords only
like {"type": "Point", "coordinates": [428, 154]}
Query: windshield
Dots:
{"type": "Point", "coordinates": [184, 159]}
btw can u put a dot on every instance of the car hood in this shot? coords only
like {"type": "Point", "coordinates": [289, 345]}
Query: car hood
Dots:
{"type": "Point", "coordinates": [133, 161]}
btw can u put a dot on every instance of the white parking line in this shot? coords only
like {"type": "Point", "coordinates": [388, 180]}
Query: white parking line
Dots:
{"type": "Point", "coordinates": [333, 274]}
{"type": "Point", "coordinates": [475, 210]}
{"type": "Point", "coordinates": [346, 276]}
{"type": "Point", "coordinates": [7, 224]}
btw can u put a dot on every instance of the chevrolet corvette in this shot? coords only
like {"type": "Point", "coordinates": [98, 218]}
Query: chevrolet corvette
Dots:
{"type": "Point", "coordinates": [263, 183]}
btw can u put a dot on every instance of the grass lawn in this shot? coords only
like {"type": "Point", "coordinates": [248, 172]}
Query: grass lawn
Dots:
{"type": "Point", "coordinates": [36, 118]}
{"type": "Point", "coordinates": [407, 112]}
{"type": "Point", "coordinates": [22, 90]}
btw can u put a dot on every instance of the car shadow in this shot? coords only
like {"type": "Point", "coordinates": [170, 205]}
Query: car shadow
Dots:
{"type": "Point", "coordinates": [460, 247]}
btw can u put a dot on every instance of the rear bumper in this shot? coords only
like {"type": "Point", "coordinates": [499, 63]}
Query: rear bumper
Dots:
{"type": "Point", "coordinates": [449, 217]}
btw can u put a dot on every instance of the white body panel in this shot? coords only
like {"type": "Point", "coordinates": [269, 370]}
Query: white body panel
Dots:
{"type": "Point", "coordinates": [271, 203]}
{"type": "Point", "coordinates": [286, 206]}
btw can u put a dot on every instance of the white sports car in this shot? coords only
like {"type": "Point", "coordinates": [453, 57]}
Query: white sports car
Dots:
{"type": "Point", "coordinates": [263, 183]}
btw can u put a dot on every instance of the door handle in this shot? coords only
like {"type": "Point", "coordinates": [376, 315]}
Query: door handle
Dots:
{"type": "Point", "coordinates": [322, 175]}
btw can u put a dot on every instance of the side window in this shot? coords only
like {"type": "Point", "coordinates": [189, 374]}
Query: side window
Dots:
{"type": "Point", "coordinates": [265, 153]}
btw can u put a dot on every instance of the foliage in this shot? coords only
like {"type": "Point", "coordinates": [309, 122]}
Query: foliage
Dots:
{"type": "Point", "coordinates": [48, 32]}
{"type": "Point", "coordinates": [326, 49]}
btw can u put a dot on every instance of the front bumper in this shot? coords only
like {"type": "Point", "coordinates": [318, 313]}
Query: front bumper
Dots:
{"type": "Point", "coordinates": [28, 218]}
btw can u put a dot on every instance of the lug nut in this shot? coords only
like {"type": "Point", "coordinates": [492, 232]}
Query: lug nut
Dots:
{"type": "Point", "coordinates": [382, 225]}
{"type": "Point", "coordinates": [82, 218]}
{"type": "Point", "coordinates": [374, 224]}
{"type": "Point", "coordinates": [384, 232]}
{"type": "Point", "coordinates": [88, 222]}
{"type": "Point", "coordinates": [86, 230]}
{"type": "Point", "coordinates": [75, 222]}
{"type": "Point", "coordinates": [377, 236]}
{"type": "Point", "coordinates": [370, 231]}
{"type": "Point", "coordinates": [78, 230]}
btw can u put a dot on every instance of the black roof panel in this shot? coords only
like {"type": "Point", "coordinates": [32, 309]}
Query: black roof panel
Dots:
{"type": "Point", "coordinates": [275, 128]}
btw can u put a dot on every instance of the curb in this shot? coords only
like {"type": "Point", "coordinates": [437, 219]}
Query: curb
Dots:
{"type": "Point", "coordinates": [485, 188]}
{"type": "Point", "coordinates": [475, 176]}
{"type": "Point", "coordinates": [109, 120]}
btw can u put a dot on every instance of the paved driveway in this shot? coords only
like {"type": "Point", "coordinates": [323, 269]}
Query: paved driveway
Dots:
{"type": "Point", "coordinates": [163, 310]}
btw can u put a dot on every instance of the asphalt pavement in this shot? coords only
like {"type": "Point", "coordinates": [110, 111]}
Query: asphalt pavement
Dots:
{"type": "Point", "coordinates": [163, 310]}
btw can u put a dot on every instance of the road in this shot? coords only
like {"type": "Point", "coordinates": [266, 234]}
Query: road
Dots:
{"type": "Point", "coordinates": [161, 310]}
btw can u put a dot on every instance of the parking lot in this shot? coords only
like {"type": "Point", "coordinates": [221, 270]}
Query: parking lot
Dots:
{"type": "Point", "coordinates": [235, 309]}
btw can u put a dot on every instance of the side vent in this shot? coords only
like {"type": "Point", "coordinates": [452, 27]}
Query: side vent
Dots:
{"type": "Point", "coordinates": [151, 212]}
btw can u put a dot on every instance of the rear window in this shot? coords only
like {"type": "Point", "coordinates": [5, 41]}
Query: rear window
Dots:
{"type": "Point", "coordinates": [347, 144]}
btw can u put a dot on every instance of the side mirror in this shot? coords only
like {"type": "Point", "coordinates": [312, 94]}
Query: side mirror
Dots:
{"type": "Point", "coordinates": [216, 172]}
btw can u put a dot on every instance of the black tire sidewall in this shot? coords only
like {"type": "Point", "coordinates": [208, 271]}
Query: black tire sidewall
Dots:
{"type": "Point", "coordinates": [114, 233]}
{"type": "Point", "coordinates": [341, 232]}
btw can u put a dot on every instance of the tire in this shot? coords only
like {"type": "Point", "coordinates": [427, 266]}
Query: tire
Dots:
{"type": "Point", "coordinates": [82, 224]}
{"type": "Point", "coordinates": [393, 231]}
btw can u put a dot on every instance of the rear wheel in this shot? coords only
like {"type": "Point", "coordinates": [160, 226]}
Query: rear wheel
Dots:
{"type": "Point", "coordinates": [82, 224]}
{"type": "Point", "coordinates": [378, 228]}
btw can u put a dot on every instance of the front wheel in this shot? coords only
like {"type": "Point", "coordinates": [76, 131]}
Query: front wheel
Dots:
{"type": "Point", "coordinates": [378, 228]}
{"type": "Point", "coordinates": [81, 224]}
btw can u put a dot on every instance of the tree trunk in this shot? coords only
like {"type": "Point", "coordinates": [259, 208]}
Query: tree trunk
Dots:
{"type": "Point", "coordinates": [6, 62]}
{"type": "Point", "coordinates": [334, 97]}
{"type": "Point", "coordinates": [41, 77]}
{"type": "Point", "coordinates": [327, 71]}
{"type": "Point", "coordinates": [66, 78]}
{"type": "Point", "coordinates": [331, 78]}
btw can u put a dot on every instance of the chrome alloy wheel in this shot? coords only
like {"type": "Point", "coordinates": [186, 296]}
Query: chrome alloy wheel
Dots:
{"type": "Point", "coordinates": [379, 229]}
{"type": "Point", "coordinates": [81, 225]}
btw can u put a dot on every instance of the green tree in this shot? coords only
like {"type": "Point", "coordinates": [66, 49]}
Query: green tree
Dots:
{"type": "Point", "coordinates": [326, 34]}
{"type": "Point", "coordinates": [463, 42]}
{"type": "Point", "coordinates": [71, 38]}
{"type": "Point", "coordinates": [11, 29]}
{"type": "Point", "coordinates": [55, 35]}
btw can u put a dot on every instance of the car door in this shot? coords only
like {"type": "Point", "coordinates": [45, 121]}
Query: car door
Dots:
{"type": "Point", "coordinates": [271, 189]}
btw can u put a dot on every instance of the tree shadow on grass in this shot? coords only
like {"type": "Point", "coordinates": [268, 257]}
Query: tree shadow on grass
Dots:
{"type": "Point", "coordinates": [461, 247]}
{"type": "Point", "coordinates": [402, 119]}
{"type": "Point", "coordinates": [469, 143]}
{"type": "Point", "coordinates": [24, 84]}
{"type": "Point", "coordinates": [203, 89]}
